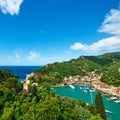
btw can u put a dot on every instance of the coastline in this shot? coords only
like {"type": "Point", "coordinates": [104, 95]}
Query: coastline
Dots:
{"type": "Point", "coordinates": [64, 85]}
{"type": "Point", "coordinates": [86, 84]}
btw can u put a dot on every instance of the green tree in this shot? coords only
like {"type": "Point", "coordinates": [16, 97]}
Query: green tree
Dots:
{"type": "Point", "coordinates": [96, 117]}
{"type": "Point", "coordinates": [8, 114]}
{"type": "Point", "coordinates": [6, 73]}
{"type": "Point", "coordinates": [16, 75]}
{"type": "Point", "coordinates": [83, 114]}
{"type": "Point", "coordinates": [99, 106]}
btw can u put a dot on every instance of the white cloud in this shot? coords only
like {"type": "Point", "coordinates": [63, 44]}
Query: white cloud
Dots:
{"type": "Point", "coordinates": [110, 25]}
{"type": "Point", "coordinates": [33, 55]}
{"type": "Point", "coordinates": [78, 46]}
{"type": "Point", "coordinates": [111, 44]}
{"type": "Point", "coordinates": [10, 6]}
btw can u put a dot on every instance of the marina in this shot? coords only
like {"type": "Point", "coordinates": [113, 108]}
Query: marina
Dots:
{"type": "Point", "coordinates": [112, 105]}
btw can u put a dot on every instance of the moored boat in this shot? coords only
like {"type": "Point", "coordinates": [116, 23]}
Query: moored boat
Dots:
{"type": "Point", "coordinates": [72, 86]}
{"type": "Point", "coordinates": [85, 91]}
{"type": "Point", "coordinates": [113, 98]}
{"type": "Point", "coordinates": [117, 101]}
{"type": "Point", "coordinates": [107, 111]}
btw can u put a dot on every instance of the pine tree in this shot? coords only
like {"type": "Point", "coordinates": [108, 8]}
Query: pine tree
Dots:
{"type": "Point", "coordinates": [99, 106]}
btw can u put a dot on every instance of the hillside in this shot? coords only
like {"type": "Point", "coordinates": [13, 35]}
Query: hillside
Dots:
{"type": "Point", "coordinates": [107, 64]}
{"type": "Point", "coordinates": [39, 103]}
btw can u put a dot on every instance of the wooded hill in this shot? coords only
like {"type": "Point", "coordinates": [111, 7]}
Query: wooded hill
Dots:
{"type": "Point", "coordinates": [107, 64]}
{"type": "Point", "coordinates": [39, 103]}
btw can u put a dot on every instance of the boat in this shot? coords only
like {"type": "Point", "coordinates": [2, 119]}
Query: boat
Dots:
{"type": "Point", "coordinates": [107, 111]}
{"type": "Point", "coordinates": [72, 86]}
{"type": "Point", "coordinates": [85, 91]}
{"type": "Point", "coordinates": [92, 90]}
{"type": "Point", "coordinates": [117, 101]}
{"type": "Point", "coordinates": [113, 98]}
{"type": "Point", "coordinates": [108, 99]}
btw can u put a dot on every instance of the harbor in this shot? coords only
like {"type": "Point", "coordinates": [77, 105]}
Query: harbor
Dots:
{"type": "Point", "coordinates": [94, 80]}
{"type": "Point", "coordinates": [87, 94]}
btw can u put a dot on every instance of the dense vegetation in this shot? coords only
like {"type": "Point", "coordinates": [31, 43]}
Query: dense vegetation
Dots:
{"type": "Point", "coordinates": [40, 103]}
{"type": "Point", "coordinates": [107, 64]}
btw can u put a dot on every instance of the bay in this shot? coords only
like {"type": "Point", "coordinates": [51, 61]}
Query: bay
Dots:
{"type": "Point", "coordinates": [88, 96]}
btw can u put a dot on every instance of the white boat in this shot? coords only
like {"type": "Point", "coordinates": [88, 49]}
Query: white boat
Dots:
{"type": "Point", "coordinates": [113, 98]}
{"type": "Point", "coordinates": [72, 86]}
{"type": "Point", "coordinates": [92, 90]}
{"type": "Point", "coordinates": [108, 99]}
{"type": "Point", "coordinates": [85, 91]}
{"type": "Point", "coordinates": [117, 101]}
{"type": "Point", "coordinates": [107, 111]}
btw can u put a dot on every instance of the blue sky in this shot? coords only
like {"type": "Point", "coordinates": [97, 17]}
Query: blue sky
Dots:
{"type": "Point", "coordinates": [38, 32]}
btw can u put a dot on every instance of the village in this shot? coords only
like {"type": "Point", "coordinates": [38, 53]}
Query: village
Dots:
{"type": "Point", "coordinates": [90, 79]}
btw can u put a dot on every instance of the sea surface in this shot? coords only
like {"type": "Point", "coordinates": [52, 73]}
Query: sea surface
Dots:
{"type": "Point", "coordinates": [22, 71]}
{"type": "Point", "coordinates": [88, 96]}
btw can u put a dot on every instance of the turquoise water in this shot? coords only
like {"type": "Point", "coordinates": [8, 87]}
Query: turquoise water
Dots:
{"type": "Point", "coordinates": [88, 97]}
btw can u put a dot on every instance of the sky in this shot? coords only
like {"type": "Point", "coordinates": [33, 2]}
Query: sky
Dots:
{"type": "Point", "coordinates": [38, 32]}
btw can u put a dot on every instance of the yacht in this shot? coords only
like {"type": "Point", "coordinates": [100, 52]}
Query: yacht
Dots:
{"type": "Point", "coordinates": [92, 90]}
{"type": "Point", "coordinates": [113, 98]}
{"type": "Point", "coordinates": [107, 111]}
{"type": "Point", "coordinates": [85, 91]}
{"type": "Point", "coordinates": [117, 101]}
{"type": "Point", "coordinates": [108, 99]}
{"type": "Point", "coordinates": [72, 86]}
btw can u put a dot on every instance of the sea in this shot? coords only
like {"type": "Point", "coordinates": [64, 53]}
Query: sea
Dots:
{"type": "Point", "coordinates": [22, 71]}
{"type": "Point", "coordinates": [88, 95]}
